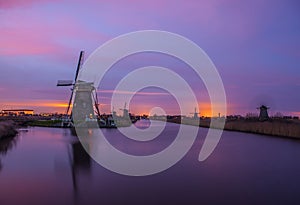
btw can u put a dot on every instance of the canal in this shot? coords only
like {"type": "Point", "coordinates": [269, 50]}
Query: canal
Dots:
{"type": "Point", "coordinates": [49, 166]}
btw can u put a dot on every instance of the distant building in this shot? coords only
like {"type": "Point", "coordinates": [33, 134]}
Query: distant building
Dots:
{"type": "Point", "coordinates": [16, 112]}
{"type": "Point", "coordinates": [263, 114]}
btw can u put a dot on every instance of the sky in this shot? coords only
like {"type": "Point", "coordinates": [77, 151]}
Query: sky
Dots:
{"type": "Point", "coordinates": [255, 46]}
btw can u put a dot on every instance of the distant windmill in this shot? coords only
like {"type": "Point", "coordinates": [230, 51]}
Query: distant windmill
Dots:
{"type": "Point", "coordinates": [73, 84]}
{"type": "Point", "coordinates": [114, 113]}
{"type": "Point", "coordinates": [263, 114]}
{"type": "Point", "coordinates": [125, 111]}
{"type": "Point", "coordinates": [195, 114]}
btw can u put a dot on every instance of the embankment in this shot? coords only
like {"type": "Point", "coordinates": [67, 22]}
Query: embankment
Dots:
{"type": "Point", "coordinates": [275, 127]}
{"type": "Point", "coordinates": [283, 128]}
{"type": "Point", "coordinates": [7, 129]}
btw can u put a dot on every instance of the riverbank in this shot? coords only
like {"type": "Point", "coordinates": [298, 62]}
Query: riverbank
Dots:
{"type": "Point", "coordinates": [7, 129]}
{"type": "Point", "coordinates": [40, 121]}
{"type": "Point", "coordinates": [45, 123]}
{"type": "Point", "coordinates": [279, 127]}
{"type": "Point", "coordinates": [274, 127]}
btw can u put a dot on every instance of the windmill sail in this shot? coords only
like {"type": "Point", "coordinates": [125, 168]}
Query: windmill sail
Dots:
{"type": "Point", "coordinates": [64, 83]}
{"type": "Point", "coordinates": [80, 61]}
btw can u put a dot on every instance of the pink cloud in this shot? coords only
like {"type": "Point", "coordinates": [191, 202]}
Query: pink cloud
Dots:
{"type": "Point", "coordinates": [8, 4]}
{"type": "Point", "coordinates": [129, 92]}
{"type": "Point", "coordinates": [15, 42]}
{"type": "Point", "coordinates": [296, 113]}
{"type": "Point", "coordinates": [37, 31]}
{"type": "Point", "coordinates": [31, 31]}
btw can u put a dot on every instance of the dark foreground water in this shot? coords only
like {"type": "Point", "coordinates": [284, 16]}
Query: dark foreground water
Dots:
{"type": "Point", "coordinates": [49, 166]}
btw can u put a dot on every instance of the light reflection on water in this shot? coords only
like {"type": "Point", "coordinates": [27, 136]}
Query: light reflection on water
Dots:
{"type": "Point", "coordinates": [49, 166]}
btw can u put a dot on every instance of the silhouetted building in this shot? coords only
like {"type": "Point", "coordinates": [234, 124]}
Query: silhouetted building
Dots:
{"type": "Point", "coordinates": [263, 114]}
{"type": "Point", "coordinates": [195, 114]}
{"type": "Point", "coordinates": [16, 112]}
{"type": "Point", "coordinates": [83, 110]}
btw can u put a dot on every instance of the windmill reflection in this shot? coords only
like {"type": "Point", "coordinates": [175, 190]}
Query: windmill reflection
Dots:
{"type": "Point", "coordinates": [80, 162]}
{"type": "Point", "coordinates": [6, 145]}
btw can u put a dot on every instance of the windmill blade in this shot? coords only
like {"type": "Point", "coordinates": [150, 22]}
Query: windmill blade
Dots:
{"type": "Point", "coordinates": [64, 83]}
{"type": "Point", "coordinates": [80, 61]}
{"type": "Point", "coordinates": [96, 104]}
{"type": "Point", "coordinates": [70, 101]}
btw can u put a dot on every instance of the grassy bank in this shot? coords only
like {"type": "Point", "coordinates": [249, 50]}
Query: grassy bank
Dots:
{"type": "Point", "coordinates": [45, 123]}
{"type": "Point", "coordinates": [283, 128]}
{"type": "Point", "coordinates": [7, 129]}
{"type": "Point", "coordinates": [274, 127]}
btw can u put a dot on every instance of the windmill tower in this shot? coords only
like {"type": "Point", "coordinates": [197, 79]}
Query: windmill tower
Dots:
{"type": "Point", "coordinates": [114, 113]}
{"type": "Point", "coordinates": [195, 114]}
{"type": "Point", "coordinates": [125, 111]}
{"type": "Point", "coordinates": [83, 103]}
{"type": "Point", "coordinates": [263, 113]}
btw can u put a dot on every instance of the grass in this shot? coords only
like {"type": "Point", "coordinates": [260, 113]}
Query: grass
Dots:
{"type": "Point", "coordinates": [275, 127]}
{"type": "Point", "coordinates": [284, 128]}
{"type": "Point", "coordinates": [45, 123]}
{"type": "Point", "coordinates": [7, 129]}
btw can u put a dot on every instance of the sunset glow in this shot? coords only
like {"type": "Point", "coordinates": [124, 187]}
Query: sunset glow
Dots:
{"type": "Point", "coordinates": [38, 106]}
{"type": "Point", "coordinates": [255, 49]}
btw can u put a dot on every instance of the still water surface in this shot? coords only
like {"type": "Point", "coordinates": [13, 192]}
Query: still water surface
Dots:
{"type": "Point", "coordinates": [49, 166]}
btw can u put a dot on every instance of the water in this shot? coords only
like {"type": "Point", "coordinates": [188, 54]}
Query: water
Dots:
{"type": "Point", "coordinates": [49, 166]}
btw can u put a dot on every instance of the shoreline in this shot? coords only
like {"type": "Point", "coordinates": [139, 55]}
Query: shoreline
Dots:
{"type": "Point", "coordinates": [7, 129]}
{"type": "Point", "coordinates": [273, 127]}
{"type": "Point", "coordinates": [285, 128]}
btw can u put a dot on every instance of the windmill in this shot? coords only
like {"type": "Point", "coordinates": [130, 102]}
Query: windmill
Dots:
{"type": "Point", "coordinates": [125, 111]}
{"type": "Point", "coordinates": [263, 114]}
{"type": "Point", "coordinates": [73, 84]}
{"type": "Point", "coordinates": [114, 113]}
{"type": "Point", "coordinates": [195, 113]}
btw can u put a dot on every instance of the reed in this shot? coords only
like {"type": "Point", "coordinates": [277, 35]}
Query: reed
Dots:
{"type": "Point", "coordinates": [284, 128]}
{"type": "Point", "coordinates": [7, 129]}
{"type": "Point", "coordinates": [275, 127]}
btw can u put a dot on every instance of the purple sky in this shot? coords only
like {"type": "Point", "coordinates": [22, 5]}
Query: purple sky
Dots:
{"type": "Point", "coordinates": [255, 46]}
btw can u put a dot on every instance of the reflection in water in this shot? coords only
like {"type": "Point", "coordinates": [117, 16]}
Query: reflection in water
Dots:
{"type": "Point", "coordinates": [80, 162]}
{"type": "Point", "coordinates": [6, 145]}
{"type": "Point", "coordinates": [49, 166]}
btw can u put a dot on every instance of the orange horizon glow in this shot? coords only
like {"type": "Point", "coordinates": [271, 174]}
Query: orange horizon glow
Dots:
{"type": "Point", "coordinates": [60, 107]}
{"type": "Point", "coordinates": [41, 106]}
{"type": "Point", "coordinates": [296, 114]}
{"type": "Point", "coordinates": [141, 109]}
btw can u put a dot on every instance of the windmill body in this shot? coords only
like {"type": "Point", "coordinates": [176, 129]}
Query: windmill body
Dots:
{"type": "Point", "coordinates": [263, 114]}
{"type": "Point", "coordinates": [195, 114]}
{"type": "Point", "coordinates": [83, 103]}
{"type": "Point", "coordinates": [125, 111]}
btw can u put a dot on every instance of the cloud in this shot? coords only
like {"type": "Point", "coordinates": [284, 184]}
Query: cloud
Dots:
{"type": "Point", "coordinates": [36, 31]}
{"type": "Point", "coordinates": [9, 4]}
{"type": "Point", "coordinates": [236, 19]}
{"type": "Point", "coordinates": [296, 113]}
{"type": "Point", "coordinates": [130, 93]}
